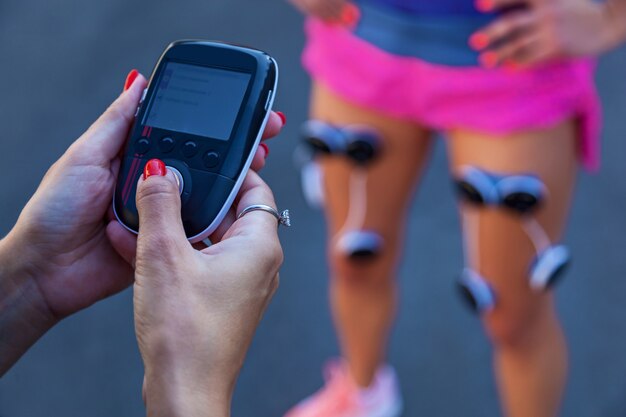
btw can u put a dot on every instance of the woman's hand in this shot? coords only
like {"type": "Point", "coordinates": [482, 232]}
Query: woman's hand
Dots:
{"type": "Point", "coordinates": [548, 29]}
{"type": "Point", "coordinates": [61, 258]}
{"type": "Point", "coordinates": [331, 11]}
{"type": "Point", "coordinates": [58, 259]}
{"type": "Point", "coordinates": [196, 311]}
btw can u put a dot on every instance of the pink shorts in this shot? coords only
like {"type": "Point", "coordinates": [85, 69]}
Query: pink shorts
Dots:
{"type": "Point", "coordinates": [494, 101]}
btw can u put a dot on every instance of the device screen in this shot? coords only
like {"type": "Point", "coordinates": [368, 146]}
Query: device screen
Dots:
{"type": "Point", "coordinates": [201, 101]}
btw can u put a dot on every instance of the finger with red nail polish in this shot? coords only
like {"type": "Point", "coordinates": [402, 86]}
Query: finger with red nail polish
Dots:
{"type": "Point", "coordinates": [350, 15]}
{"type": "Point", "coordinates": [130, 79]}
{"type": "Point", "coordinates": [488, 59]}
{"type": "Point", "coordinates": [266, 149]}
{"type": "Point", "coordinates": [154, 167]}
{"type": "Point", "coordinates": [282, 117]}
{"type": "Point", "coordinates": [484, 5]}
{"type": "Point", "coordinates": [479, 41]}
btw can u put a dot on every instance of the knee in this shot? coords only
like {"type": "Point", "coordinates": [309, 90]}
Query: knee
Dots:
{"type": "Point", "coordinates": [517, 327]}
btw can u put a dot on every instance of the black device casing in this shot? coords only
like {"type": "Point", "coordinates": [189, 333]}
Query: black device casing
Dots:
{"type": "Point", "coordinates": [212, 169]}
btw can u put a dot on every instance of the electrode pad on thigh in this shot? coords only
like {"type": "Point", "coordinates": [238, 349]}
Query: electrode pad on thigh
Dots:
{"type": "Point", "coordinates": [319, 138]}
{"type": "Point", "coordinates": [323, 138]}
{"type": "Point", "coordinates": [360, 145]}
{"type": "Point", "coordinates": [522, 194]}
{"type": "Point", "coordinates": [476, 186]}
{"type": "Point", "coordinates": [363, 144]}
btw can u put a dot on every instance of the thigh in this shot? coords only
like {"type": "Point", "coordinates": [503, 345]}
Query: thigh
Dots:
{"type": "Point", "coordinates": [391, 179]}
{"type": "Point", "coordinates": [504, 250]}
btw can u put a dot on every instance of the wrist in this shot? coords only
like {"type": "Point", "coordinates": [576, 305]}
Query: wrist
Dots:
{"type": "Point", "coordinates": [178, 393]}
{"type": "Point", "coordinates": [182, 382]}
{"type": "Point", "coordinates": [24, 314]}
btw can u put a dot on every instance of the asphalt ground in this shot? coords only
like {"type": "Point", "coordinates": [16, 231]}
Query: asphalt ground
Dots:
{"type": "Point", "coordinates": [62, 62]}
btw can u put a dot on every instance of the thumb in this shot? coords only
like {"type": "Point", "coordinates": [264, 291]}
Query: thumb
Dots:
{"type": "Point", "coordinates": [161, 231]}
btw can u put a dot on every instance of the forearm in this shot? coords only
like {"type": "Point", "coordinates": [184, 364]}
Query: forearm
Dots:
{"type": "Point", "coordinates": [23, 317]}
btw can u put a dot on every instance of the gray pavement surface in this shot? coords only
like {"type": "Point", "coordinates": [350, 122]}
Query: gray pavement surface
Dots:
{"type": "Point", "coordinates": [63, 61]}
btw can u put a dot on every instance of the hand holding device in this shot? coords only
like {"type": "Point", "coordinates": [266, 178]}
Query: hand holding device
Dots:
{"type": "Point", "coordinates": [196, 311]}
{"type": "Point", "coordinates": [60, 242]}
{"type": "Point", "coordinates": [203, 114]}
{"type": "Point", "coordinates": [67, 237]}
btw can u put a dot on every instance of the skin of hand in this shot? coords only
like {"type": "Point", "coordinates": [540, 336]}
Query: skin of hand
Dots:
{"type": "Point", "coordinates": [196, 310]}
{"type": "Point", "coordinates": [341, 12]}
{"type": "Point", "coordinates": [58, 258]}
{"type": "Point", "coordinates": [537, 31]}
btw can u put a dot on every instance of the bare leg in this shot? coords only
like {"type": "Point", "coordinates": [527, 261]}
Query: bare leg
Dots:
{"type": "Point", "coordinates": [363, 294]}
{"type": "Point", "coordinates": [530, 353]}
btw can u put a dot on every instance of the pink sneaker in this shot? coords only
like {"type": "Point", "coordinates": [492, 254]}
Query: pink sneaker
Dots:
{"type": "Point", "coordinates": [341, 397]}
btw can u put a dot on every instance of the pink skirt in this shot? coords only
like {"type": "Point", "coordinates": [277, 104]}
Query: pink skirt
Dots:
{"type": "Point", "coordinates": [493, 101]}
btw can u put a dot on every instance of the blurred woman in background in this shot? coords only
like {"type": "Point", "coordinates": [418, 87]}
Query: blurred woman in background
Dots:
{"type": "Point", "coordinates": [511, 86]}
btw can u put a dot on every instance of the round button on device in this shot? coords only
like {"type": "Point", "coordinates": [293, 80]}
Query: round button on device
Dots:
{"type": "Point", "coordinates": [211, 159]}
{"type": "Point", "coordinates": [167, 144]}
{"type": "Point", "coordinates": [142, 146]}
{"type": "Point", "coordinates": [190, 149]}
{"type": "Point", "coordinates": [179, 178]}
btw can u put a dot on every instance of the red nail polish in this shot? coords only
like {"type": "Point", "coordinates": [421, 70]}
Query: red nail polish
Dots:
{"type": "Point", "coordinates": [484, 5]}
{"type": "Point", "coordinates": [479, 41]}
{"type": "Point", "coordinates": [488, 59]}
{"type": "Point", "coordinates": [130, 79]}
{"type": "Point", "coordinates": [154, 167]}
{"type": "Point", "coordinates": [350, 15]}
{"type": "Point", "coordinates": [282, 117]}
{"type": "Point", "coordinates": [266, 149]}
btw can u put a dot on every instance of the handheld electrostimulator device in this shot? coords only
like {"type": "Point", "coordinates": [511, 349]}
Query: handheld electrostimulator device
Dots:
{"type": "Point", "coordinates": [203, 114]}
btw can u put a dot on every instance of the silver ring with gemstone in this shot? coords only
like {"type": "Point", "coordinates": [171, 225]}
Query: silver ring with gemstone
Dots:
{"type": "Point", "coordinates": [282, 217]}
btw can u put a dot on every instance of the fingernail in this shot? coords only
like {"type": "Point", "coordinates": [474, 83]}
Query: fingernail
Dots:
{"type": "Point", "coordinates": [350, 14]}
{"type": "Point", "coordinates": [488, 59]}
{"type": "Point", "coordinates": [479, 41]}
{"type": "Point", "coordinates": [130, 79]}
{"type": "Point", "coordinates": [282, 117]}
{"type": "Point", "coordinates": [484, 5]}
{"type": "Point", "coordinates": [154, 167]}
{"type": "Point", "coordinates": [266, 149]}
